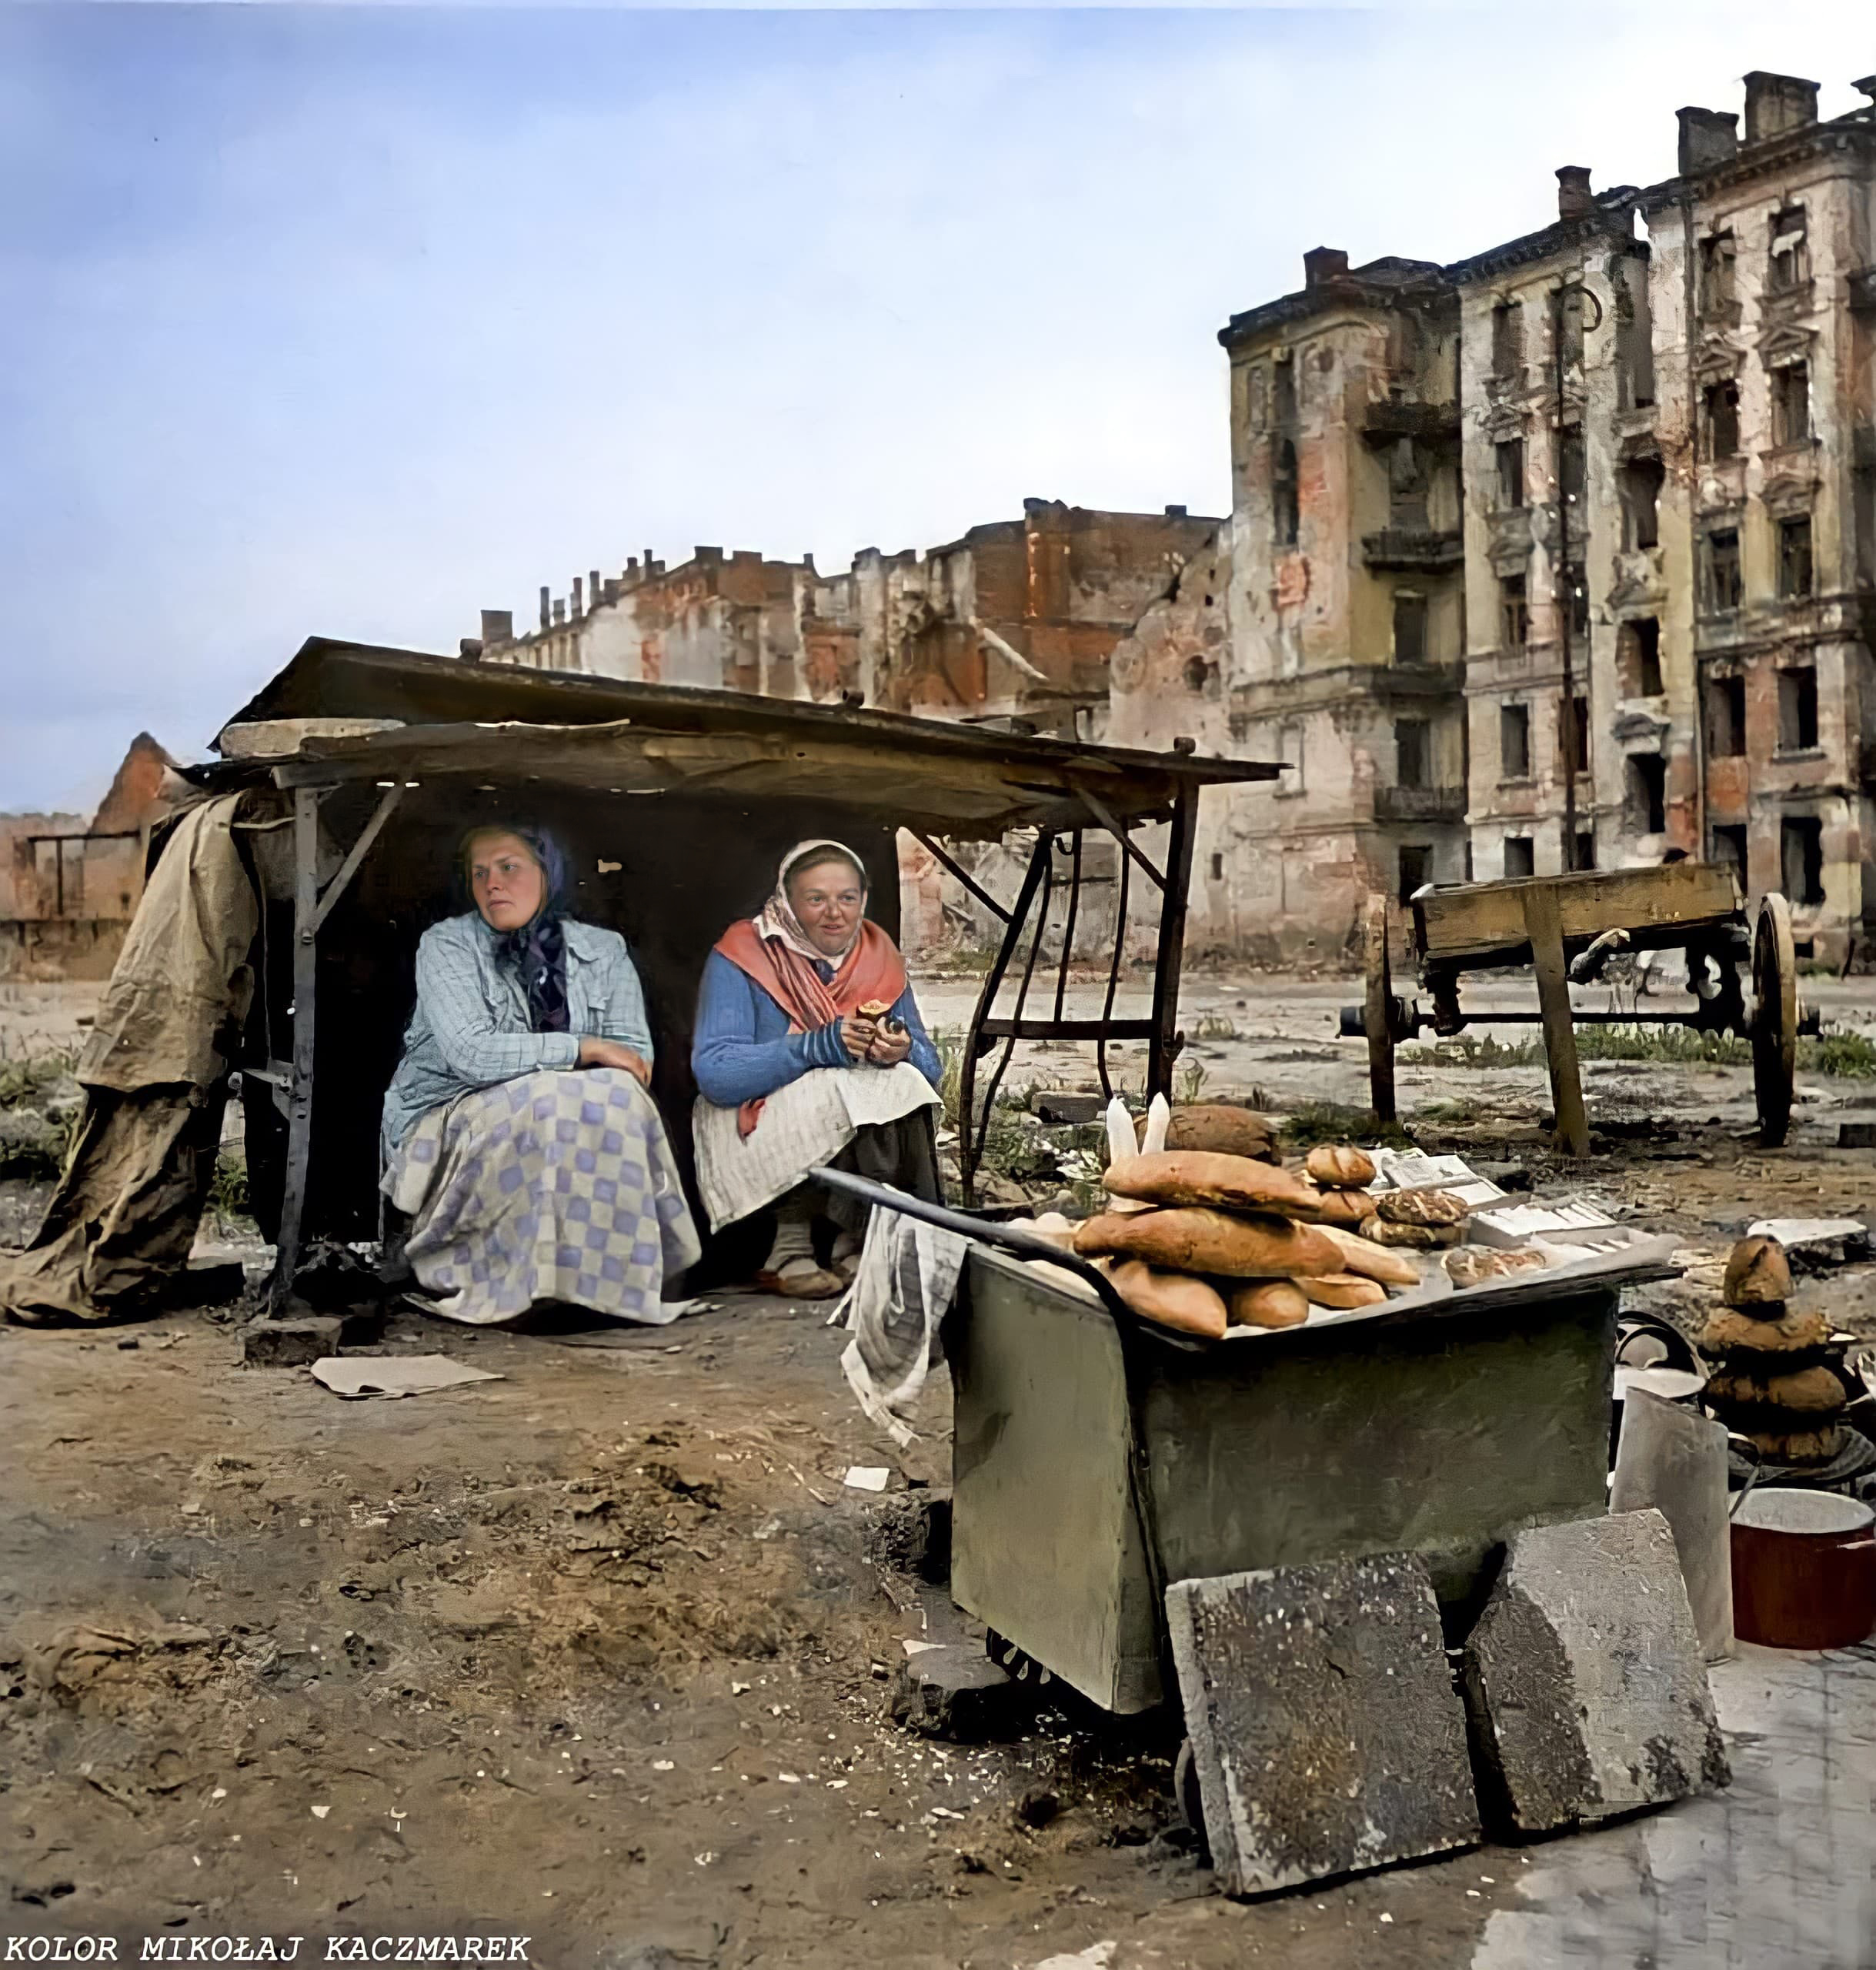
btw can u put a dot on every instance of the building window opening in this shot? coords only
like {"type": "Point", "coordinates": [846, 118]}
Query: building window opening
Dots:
{"type": "Point", "coordinates": [1407, 487]}
{"type": "Point", "coordinates": [1510, 474]}
{"type": "Point", "coordinates": [1513, 612]}
{"type": "Point", "coordinates": [1416, 871]}
{"type": "Point", "coordinates": [1508, 340]}
{"type": "Point", "coordinates": [1575, 582]}
{"type": "Point", "coordinates": [1197, 674]}
{"type": "Point", "coordinates": [1284, 392]}
{"type": "Point", "coordinates": [1726, 717]}
{"type": "Point", "coordinates": [1570, 468]}
{"type": "Point", "coordinates": [1290, 750]}
{"type": "Point", "coordinates": [1794, 556]}
{"type": "Point", "coordinates": [1521, 856]}
{"type": "Point", "coordinates": [1576, 734]}
{"type": "Point", "coordinates": [1569, 325]}
{"type": "Point", "coordinates": [1719, 423]}
{"type": "Point", "coordinates": [1724, 588]}
{"type": "Point", "coordinates": [1514, 742]}
{"type": "Point", "coordinates": [1411, 751]}
{"type": "Point", "coordinates": [1641, 493]}
{"type": "Point", "coordinates": [1283, 498]}
{"type": "Point", "coordinates": [1638, 656]}
{"type": "Point", "coordinates": [1410, 628]}
{"type": "Point", "coordinates": [1791, 260]}
{"type": "Point", "coordinates": [1729, 850]}
{"type": "Point", "coordinates": [1792, 404]}
{"type": "Point", "coordinates": [1797, 710]}
{"type": "Point", "coordinates": [1800, 858]}
{"type": "Point", "coordinates": [1586, 849]}
{"type": "Point", "coordinates": [1716, 292]}
{"type": "Point", "coordinates": [1647, 793]}
{"type": "Point", "coordinates": [1217, 867]}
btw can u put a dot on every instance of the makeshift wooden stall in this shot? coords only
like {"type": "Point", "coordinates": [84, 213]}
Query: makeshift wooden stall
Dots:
{"type": "Point", "coordinates": [676, 804]}
{"type": "Point", "coordinates": [1561, 926]}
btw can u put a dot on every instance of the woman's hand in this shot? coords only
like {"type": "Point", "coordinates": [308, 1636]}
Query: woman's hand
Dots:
{"type": "Point", "coordinates": [857, 1035]}
{"type": "Point", "coordinates": [889, 1048]}
{"type": "Point", "coordinates": [595, 1052]}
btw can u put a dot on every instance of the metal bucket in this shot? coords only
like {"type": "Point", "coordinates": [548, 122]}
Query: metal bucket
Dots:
{"type": "Point", "coordinates": [1804, 1569]}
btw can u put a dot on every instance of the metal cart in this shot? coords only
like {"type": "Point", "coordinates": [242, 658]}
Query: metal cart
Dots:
{"type": "Point", "coordinates": [1097, 1457]}
{"type": "Point", "coordinates": [1562, 926]}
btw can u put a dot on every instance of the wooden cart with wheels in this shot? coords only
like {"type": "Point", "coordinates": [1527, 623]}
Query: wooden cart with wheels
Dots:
{"type": "Point", "coordinates": [1565, 928]}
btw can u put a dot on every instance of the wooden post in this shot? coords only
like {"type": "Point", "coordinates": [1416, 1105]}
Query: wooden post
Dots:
{"type": "Point", "coordinates": [969, 1143]}
{"type": "Point", "coordinates": [299, 1105]}
{"type": "Point", "coordinates": [1163, 1049]}
{"type": "Point", "coordinates": [1543, 925]}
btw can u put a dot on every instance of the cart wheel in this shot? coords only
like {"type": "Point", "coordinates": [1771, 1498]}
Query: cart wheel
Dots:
{"type": "Point", "coordinates": [1774, 1019]}
{"type": "Point", "coordinates": [1377, 1009]}
{"type": "Point", "coordinates": [1186, 1793]}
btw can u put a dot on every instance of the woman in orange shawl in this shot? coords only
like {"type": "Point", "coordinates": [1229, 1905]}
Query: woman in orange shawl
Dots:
{"type": "Point", "coordinates": [810, 1050]}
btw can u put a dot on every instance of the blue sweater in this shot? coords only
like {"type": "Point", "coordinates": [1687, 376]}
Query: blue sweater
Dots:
{"type": "Point", "coordinates": [742, 1048]}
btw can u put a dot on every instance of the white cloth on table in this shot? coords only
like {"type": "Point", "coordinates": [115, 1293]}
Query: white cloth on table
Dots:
{"type": "Point", "coordinates": [907, 1279]}
{"type": "Point", "coordinates": [558, 1185]}
{"type": "Point", "coordinates": [803, 1126]}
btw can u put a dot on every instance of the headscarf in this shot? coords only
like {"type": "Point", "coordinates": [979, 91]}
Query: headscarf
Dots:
{"type": "Point", "coordinates": [537, 950]}
{"type": "Point", "coordinates": [773, 951]}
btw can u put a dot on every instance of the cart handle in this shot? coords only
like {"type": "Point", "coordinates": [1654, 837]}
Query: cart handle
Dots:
{"type": "Point", "coordinates": [1025, 1244]}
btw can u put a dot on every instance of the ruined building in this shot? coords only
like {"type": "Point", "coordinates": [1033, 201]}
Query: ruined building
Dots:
{"type": "Point", "coordinates": [1016, 619]}
{"type": "Point", "coordinates": [1561, 556]}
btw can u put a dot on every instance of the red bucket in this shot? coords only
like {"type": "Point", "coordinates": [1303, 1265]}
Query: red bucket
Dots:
{"type": "Point", "coordinates": [1803, 1568]}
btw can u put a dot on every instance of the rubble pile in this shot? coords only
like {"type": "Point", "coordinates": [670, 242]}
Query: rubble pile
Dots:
{"type": "Point", "coordinates": [1778, 1381]}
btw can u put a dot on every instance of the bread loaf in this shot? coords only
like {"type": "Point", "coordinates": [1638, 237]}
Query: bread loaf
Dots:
{"type": "Point", "coordinates": [1268, 1303]}
{"type": "Point", "coordinates": [1372, 1261]}
{"type": "Point", "coordinates": [1340, 1164]}
{"type": "Point", "coordinates": [1432, 1208]}
{"type": "Point", "coordinates": [1208, 1241]}
{"type": "Point", "coordinates": [1218, 1126]}
{"type": "Point", "coordinates": [1728, 1328]}
{"type": "Point", "coordinates": [1797, 1446]}
{"type": "Point", "coordinates": [1170, 1298]}
{"type": "Point", "coordinates": [1810, 1391]}
{"type": "Point", "coordinates": [1343, 1291]}
{"type": "Point", "coordinates": [1756, 1274]}
{"type": "Point", "coordinates": [1413, 1237]}
{"type": "Point", "coordinates": [1346, 1208]}
{"type": "Point", "coordinates": [1180, 1176]}
{"type": "Point", "coordinates": [1473, 1265]}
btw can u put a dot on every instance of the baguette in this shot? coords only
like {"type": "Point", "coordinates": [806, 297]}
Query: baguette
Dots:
{"type": "Point", "coordinates": [1343, 1290]}
{"type": "Point", "coordinates": [1208, 1241]}
{"type": "Point", "coordinates": [1340, 1164]}
{"type": "Point", "coordinates": [1370, 1260]}
{"type": "Point", "coordinates": [1268, 1303]}
{"type": "Point", "coordinates": [1170, 1298]}
{"type": "Point", "coordinates": [1180, 1176]}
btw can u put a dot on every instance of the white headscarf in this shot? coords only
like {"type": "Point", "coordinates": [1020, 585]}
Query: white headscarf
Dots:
{"type": "Point", "coordinates": [777, 919]}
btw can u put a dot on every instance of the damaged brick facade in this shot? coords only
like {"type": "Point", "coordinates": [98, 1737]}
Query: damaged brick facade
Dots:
{"type": "Point", "coordinates": [1017, 619]}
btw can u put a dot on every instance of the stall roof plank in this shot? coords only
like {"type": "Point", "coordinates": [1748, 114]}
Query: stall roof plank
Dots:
{"type": "Point", "coordinates": [458, 718]}
{"type": "Point", "coordinates": [1490, 916]}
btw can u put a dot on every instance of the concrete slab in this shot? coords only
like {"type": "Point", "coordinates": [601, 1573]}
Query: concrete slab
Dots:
{"type": "Point", "coordinates": [1327, 1735]}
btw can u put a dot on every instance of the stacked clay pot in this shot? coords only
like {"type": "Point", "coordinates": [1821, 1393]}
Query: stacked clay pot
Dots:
{"type": "Point", "coordinates": [1776, 1381]}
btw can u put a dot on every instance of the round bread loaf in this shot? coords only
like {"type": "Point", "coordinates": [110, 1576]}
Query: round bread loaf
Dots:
{"type": "Point", "coordinates": [1473, 1265]}
{"type": "Point", "coordinates": [1430, 1207]}
{"type": "Point", "coordinates": [1346, 1208]}
{"type": "Point", "coordinates": [1730, 1330]}
{"type": "Point", "coordinates": [1343, 1291]}
{"type": "Point", "coordinates": [1208, 1241]}
{"type": "Point", "coordinates": [1170, 1298]}
{"type": "Point", "coordinates": [1806, 1392]}
{"type": "Point", "coordinates": [1269, 1303]}
{"type": "Point", "coordinates": [1181, 1177]}
{"type": "Point", "coordinates": [1414, 1237]}
{"type": "Point", "coordinates": [1220, 1128]}
{"type": "Point", "coordinates": [1340, 1164]}
{"type": "Point", "coordinates": [1372, 1261]}
{"type": "Point", "coordinates": [1757, 1274]}
{"type": "Point", "coordinates": [1797, 1446]}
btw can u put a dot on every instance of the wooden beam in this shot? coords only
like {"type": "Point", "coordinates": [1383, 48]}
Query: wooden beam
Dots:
{"type": "Point", "coordinates": [305, 972]}
{"type": "Point", "coordinates": [1544, 926]}
{"type": "Point", "coordinates": [1163, 1048]}
{"type": "Point", "coordinates": [360, 849]}
{"type": "Point", "coordinates": [1105, 816]}
{"type": "Point", "coordinates": [964, 875]}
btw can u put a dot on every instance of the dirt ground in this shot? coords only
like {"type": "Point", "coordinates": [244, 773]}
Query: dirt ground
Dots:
{"type": "Point", "coordinates": [600, 1653]}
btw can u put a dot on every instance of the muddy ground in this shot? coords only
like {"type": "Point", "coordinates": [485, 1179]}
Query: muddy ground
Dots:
{"type": "Point", "coordinates": [600, 1653]}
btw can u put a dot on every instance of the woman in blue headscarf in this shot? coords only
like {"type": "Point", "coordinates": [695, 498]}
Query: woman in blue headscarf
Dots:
{"type": "Point", "coordinates": [519, 1134]}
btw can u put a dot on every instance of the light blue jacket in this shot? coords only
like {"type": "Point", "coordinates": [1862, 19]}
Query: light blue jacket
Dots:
{"type": "Point", "coordinates": [470, 1028]}
{"type": "Point", "coordinates": [742, 1050]}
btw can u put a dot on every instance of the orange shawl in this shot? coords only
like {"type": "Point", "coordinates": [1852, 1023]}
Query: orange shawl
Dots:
{"type": "Point", "coordinates": [871, 971]}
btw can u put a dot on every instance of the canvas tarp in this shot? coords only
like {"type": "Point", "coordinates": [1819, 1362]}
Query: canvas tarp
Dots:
{"type": "Point", "coordinates": [125, 1211]}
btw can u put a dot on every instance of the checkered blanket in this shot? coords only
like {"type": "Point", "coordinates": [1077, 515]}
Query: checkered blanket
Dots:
{"type": "Point", "coordinates": [553, 1186]}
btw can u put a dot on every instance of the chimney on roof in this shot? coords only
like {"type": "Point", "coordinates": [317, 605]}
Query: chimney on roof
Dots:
{"type": "Point", "coordinates": [1775, 104]}
{"type": "Point", "coordinates": [649, 563]}
{"type": "Point", "coordinates": [1323, 264]}
{"type": "Point", "coordinates": [593, 588]}
{"type": "Point", "coordinates": [1707, 137]}
{"type": "Point", "coordinates": [498, 625]}
{"type": "Point", "coordinates": [1175, 512]}
{"type": "Point", "coordinates": [579, 608]}
{"type": "Point", "coordinates": [1574, 199]}
{"type": "Point", "coordinates": [544, 615]}
{"type": "Point", "coordinates": [469, 648]}
{"type": "Point", "coordinates": [611, 588]}
{"type": "Point", "coordinates": [559, 613]}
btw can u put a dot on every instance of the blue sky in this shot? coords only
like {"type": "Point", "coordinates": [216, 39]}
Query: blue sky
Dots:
{"type": "Point", "coordinates": [354, 320]}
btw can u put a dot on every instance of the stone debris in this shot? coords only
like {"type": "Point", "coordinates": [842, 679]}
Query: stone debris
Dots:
{"type": "Point", "coordinates": [1583, 1677]}
{"type": "Point", "coordinates": [1326, 1730]}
